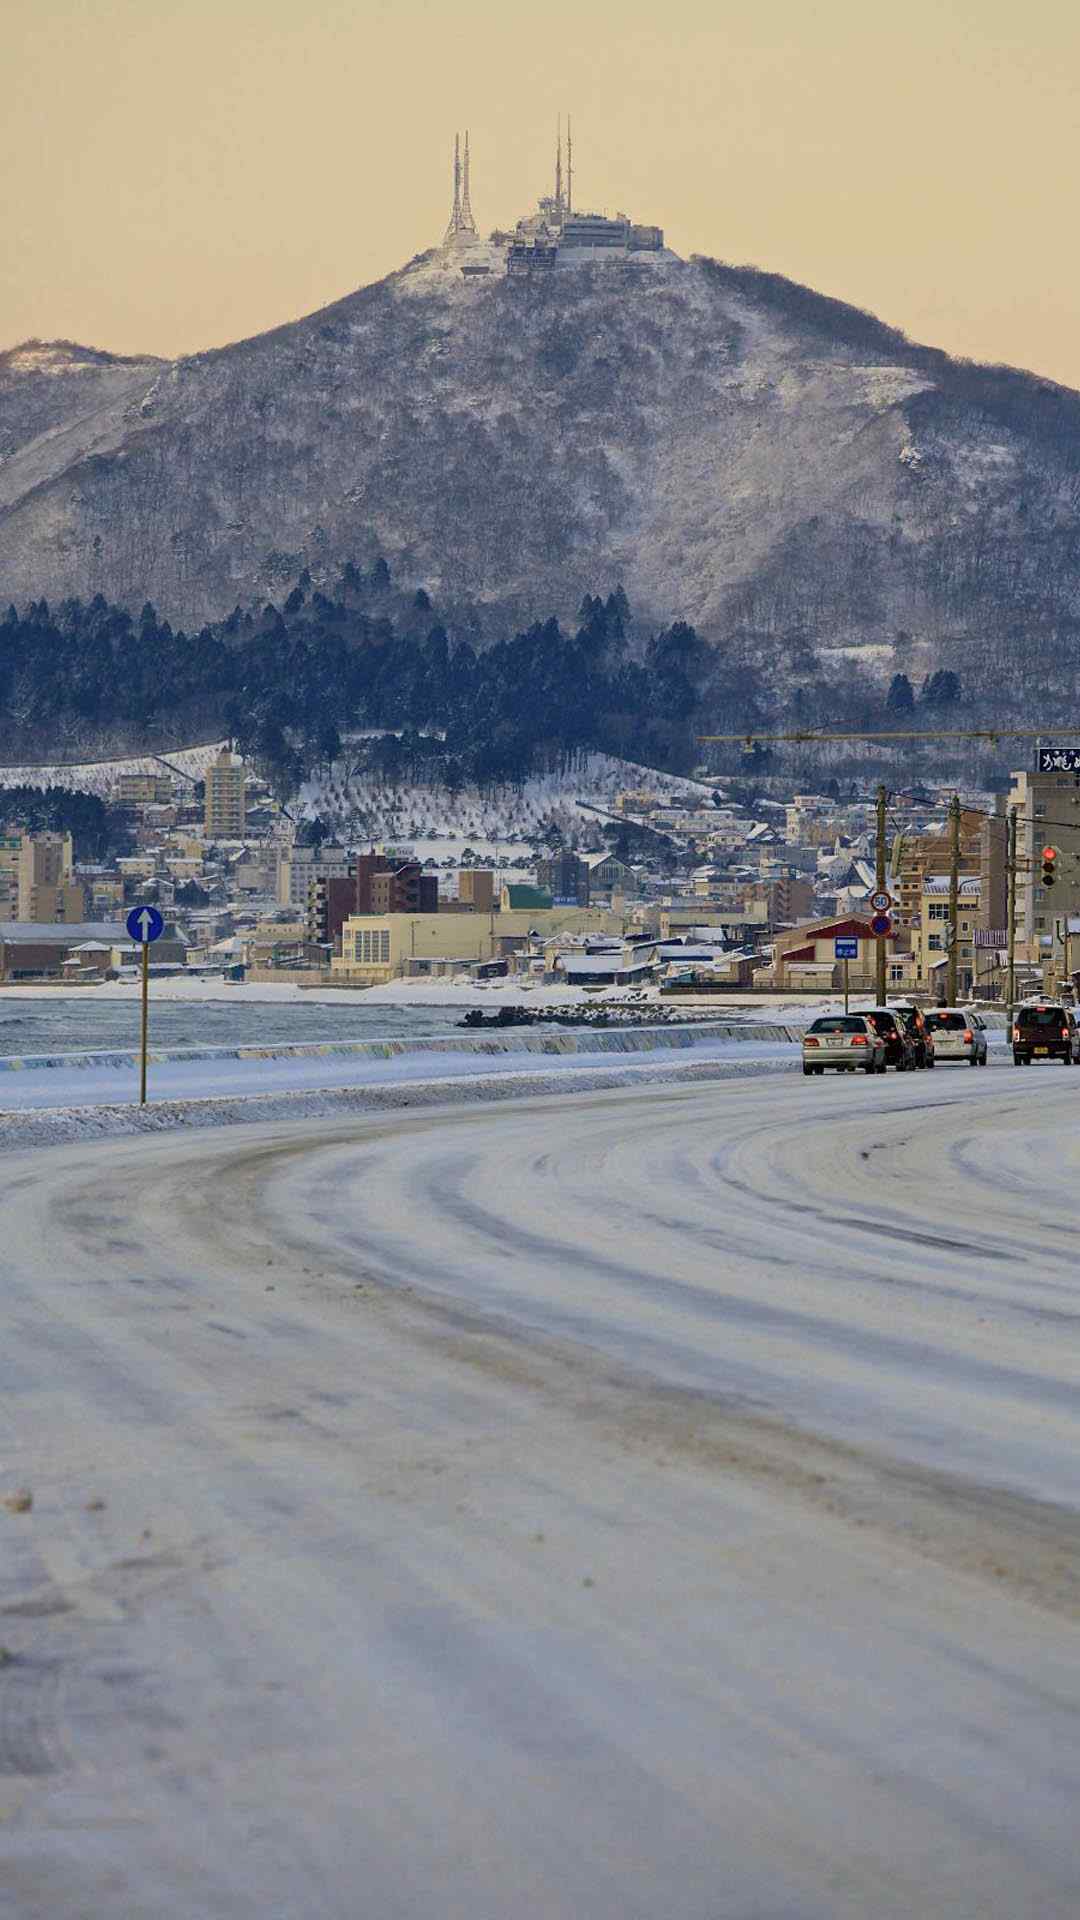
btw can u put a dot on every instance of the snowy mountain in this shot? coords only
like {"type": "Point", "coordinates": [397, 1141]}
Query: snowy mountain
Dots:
{"type": "Point", "coordinates": [786, 472]}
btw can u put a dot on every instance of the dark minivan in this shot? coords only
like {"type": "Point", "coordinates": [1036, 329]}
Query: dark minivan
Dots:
{"type": "Point", "coordinates": [1044, 1030]}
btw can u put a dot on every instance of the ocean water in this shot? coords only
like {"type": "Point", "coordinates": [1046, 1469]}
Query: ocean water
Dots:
{"type": "Point", "coordinates": [81, 1023]}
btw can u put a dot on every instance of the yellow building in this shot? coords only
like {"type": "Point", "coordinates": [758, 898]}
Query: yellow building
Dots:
{"type": "Point", "coordinates": [10, 849]}
{"type": "Point", "coordinates": [378, 947]}
{"type": "Point", "coordinates": [47, 892]}
{"type": "Point", "coordinates": [225, 817]}
{"type": "Point", "coordinates": [930, 935]}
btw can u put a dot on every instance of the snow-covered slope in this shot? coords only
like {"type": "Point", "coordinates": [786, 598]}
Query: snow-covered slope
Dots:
{"type": "Point", "coordinates": [357, 807]}
{"type": "Point", "coordinates": [99, 776]}
{"type": "Point", "coordinates": [785, 471]}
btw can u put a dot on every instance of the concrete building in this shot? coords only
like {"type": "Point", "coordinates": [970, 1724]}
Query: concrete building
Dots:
{"type": "Point", "coordinates": [10, 849]}
{"type": "Point", "coordinates": [31, 951]}
{"type": "Point", "coordinates": [476, 889]}
{"type": "Point", "coordinates": [376, 948]}
{"type": "Point", "coordinates": [1047, 806]}
{"type": "Point", "coordinates": [565, 877]}
{"type": "Point", "coordinates": [930, 936]}
{"type": "Point", "coordinates": [983, 851]}
{"type": "Point", "coordinates": [518, 895]}
{"type": "Point", "coordinates": [299, 866]}
{"type": "Point", "coordinates": [609, 876]}
{"type": "Point", "coordinates": [330, 902]}
{"type": "Point", "coordinates": [144, 789]}
{"type": "Point", "coordinates": [224, 816]}
{"type": "Point", "coordinates": [47, 891]}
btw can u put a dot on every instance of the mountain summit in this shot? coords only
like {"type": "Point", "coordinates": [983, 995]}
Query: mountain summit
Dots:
{"type": "Point", "coordinates": [783, 470]}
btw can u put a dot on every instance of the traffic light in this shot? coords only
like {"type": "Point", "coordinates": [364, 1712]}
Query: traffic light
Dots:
{"type": "Point", "coordinates": [1049, 866]}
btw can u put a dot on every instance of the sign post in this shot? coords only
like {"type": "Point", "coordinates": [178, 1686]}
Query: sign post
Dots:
{"type": "Point", "coordinates": [144, 924]}
{"type": "Point", "coordinates": [846, 947]}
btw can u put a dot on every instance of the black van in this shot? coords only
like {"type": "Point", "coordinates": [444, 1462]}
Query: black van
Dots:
{"type": "Point", "coordinates": [1044, 1030]}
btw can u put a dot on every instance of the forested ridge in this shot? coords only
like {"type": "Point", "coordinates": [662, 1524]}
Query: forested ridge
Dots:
{"type": "Point", "coordinates": [286, 683]}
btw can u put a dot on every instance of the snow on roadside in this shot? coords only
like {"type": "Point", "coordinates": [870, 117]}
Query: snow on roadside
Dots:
{"type": "Point", "coordinates": [59, 1126]}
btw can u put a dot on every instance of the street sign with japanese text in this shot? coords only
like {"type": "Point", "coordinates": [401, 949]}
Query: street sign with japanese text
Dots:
{"type": "Point", "coordinates": [847, 946]}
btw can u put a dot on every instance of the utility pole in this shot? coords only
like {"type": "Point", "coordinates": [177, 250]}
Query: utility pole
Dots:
{"type": "Point", "coordinates": [880, 875]}
{"type": "Point", "coordinates": [1011, 936]}
{"type": "Point", "coordinates": [954, 894]}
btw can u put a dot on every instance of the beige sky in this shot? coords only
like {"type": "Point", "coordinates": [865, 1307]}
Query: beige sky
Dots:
{"type": "Point", "coordinates": [179, 173]}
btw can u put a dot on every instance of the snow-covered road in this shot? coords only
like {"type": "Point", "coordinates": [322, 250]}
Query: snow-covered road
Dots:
{"type": "Point", "coordinates": [652, 1504]}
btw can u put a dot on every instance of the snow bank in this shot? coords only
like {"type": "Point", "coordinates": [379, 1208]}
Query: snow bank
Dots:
{"type": "Point", "coordinates": [57, 1126]}
{"type": "Point", "coordinates": [550, 1040]}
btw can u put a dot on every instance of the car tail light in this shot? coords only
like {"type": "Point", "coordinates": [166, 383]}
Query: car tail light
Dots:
{"type": "Point", "coordinates": [809, 1042]}
{"type": "Point", "coordinates": [859, 1040]}
{"type": "Point", "coordinates": [1064, 1033]}
{"type": "Point", "coordinates": [1016, 1033]}
{"type": "Point", "coordinates": [968, 1037]}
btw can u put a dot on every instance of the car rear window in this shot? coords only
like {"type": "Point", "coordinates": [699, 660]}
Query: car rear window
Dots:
{"type": "Point", "coordinates": [884, 1022]}
{"type": "Point", "coordinates": [1040, 1016]}
{"type": "Point", "coordinates": [840, 1023]}
{"type": "Point", "coordinates": [947, 1022]}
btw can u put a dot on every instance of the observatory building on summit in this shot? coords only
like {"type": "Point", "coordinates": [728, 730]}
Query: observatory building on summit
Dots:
{"type": "Point", "coordinates": [557, 234]}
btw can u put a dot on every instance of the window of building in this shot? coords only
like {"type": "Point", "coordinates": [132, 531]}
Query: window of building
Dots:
{"type": "Point", "coordinates": [935, 943]}
{"type": "Point", "coordinates": [938, 910]}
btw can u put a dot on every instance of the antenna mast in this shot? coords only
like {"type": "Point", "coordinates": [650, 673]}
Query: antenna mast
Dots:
{"type": "Point", "coordinates": [461, 219]}
{"type": "Point", "coordinates": [466, 223]}
{"type": "Point", "coordinates": [569, 167]}
{"type": "Point", "coordinates": [558, 171]}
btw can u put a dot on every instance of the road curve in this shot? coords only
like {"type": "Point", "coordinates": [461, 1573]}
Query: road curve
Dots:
{"type": "Point", "coordinates": [649, 1503]}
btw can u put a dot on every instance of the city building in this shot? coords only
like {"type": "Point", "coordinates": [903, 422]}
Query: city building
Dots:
{"type": "Point", "coordinates": [1047, 808]}
{"type": "Point", "coordinates": [806, 957]}
{"type": "Point", "coordinates": [519, 895]}
{"type": "Point", "coordinates": [144, 789]}
{"type": "Point", "coordinates": [610, 876]}
{"type": "Point", "coordinates": [387, 884]}
{"type": "Point", "coordinates": [983, 851]}
{"type": "Point", "coordinates": [36, 951]}
{"type": "Point", "coordinates": [299, 866]}
{"type": "Point", "coordinates": [330, 902]}
{"type": "Point", "coordinates": [476, 889]}
{"type": "Point", "coordinates": [10, 849]}
{"type": "Point", "coordinates": [375, 948]}
{"type": "Point", "coordinates": [565, 877]}
{"type": "Point", "coordinates": [930, 937]}
{"type": "Point", "coordinates": [224, 817]}
{"type": "Point", "coordinates": [47, 891]}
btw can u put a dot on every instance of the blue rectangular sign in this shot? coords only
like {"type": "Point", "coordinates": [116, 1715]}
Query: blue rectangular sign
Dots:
{"type": "Point", "coordinates": [847, 946]}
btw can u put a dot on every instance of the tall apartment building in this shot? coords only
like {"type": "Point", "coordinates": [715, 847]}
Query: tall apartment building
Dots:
{"type": "Point", "coordinates": [10, 848]}
{"type": "Point", "coordinates": [47, 892]}
{"type": "Point", "coordinates": [983, 853]}
{"type": "Point", "coordinates": [1047, 807]}
{"type": "Point", "coordinates": [225, 817]}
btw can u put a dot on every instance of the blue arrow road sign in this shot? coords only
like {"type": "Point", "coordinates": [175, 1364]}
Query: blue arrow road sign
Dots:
{"type": "Point", "coordinates": [145, 924]}
{"type": "Point", "coordinates": [847, 946]}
